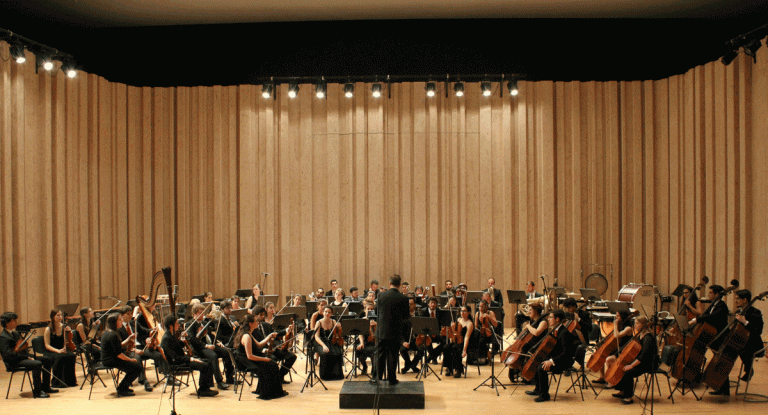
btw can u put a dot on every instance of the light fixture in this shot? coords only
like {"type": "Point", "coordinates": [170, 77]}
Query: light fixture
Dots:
{"type": "Point", "coordinates": [512, 87]}
{"type": "Point", "coordinates": [17, 52]}
{"type": "Point", "coordinates": [349, 90]}
{"type": "Point", "coordinates": [266, 90]}
{"type": "Point", "coordinates": [458, 87]}
{"type": "Point", "coordinates": [376, 90]}
{"type": "Point", "coordinates": [320, 90]}
{"type": "Point", "coordinates": [486, 88]}
{"type": "Point", "coordinates": [430, 89]}
{"type": "Point", "coordinates": [68, 68]}
{"type": "Point", "coordinates": [293, 90]}
{"type": "Point", "coordinates": [729, 57]}
{"type": "Point", "coordinates": [750, 49]}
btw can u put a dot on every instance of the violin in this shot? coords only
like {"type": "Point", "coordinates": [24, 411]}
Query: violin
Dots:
{"type": "Point", "coordinates": [336, 337]}
{"type": "Point", "coordinates": [289, 338]}
{"type": "Point", "coordinates": [371, 337]}
{"type": "Point", "coordinates": [187, 346]}
{"type": "Point", "coordinates": [23, 343]}
{"type": "Point", "coordinates": [131, 345]}
{"type": "Point", "coordinates": [69, 340]}
{"type": "Point", "coordinates": [485, 329]}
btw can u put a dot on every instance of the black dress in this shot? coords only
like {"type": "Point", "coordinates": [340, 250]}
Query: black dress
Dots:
{"type": "Point", "coordinates": [452, 353]}
{"type": "Point", "coordinates": [63, 363]}
{"type": "Point", "coordinates": [270, 384]}
{"type": "Point", "coordinates": [330, 363]}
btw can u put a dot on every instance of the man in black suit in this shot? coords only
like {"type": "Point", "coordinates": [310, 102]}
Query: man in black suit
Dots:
{"type": "Point", "coordinates": [560, 359]}
{"type": "Point", "coordinates": [715, 315]}
{"type": "Point", "coordinates": [40, 367]}
{"type": "Point", "coordinates": [392, 313]}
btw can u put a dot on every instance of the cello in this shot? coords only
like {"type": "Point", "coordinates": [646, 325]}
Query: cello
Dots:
{"type": "Point", "coordinates": [543, 348]}
{"type": "Point", "coordinates": [511, 355]}
{"type": "Point", "coordinates": [628, 354]}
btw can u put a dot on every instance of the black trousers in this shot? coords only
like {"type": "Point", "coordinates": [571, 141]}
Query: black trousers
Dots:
{"type": "Point", "coordinates": [407, 357]}
{"type": "Point", "coordinates": [153, 355]}
{"type": "Point", "coordinates": [206, 374]}
{"type": "Point", "coordinates": [542, 376]}
{"type": "Point", "coordinates": [627, 383]}
{"type": "Point", "coordinates": [212, 357]}
{"type": "Point", "coordinates": [40, 378]}
{"type": "Point", "coordinates": [387, 355]}
{"type": "Point", "coordinates": [131, 370]}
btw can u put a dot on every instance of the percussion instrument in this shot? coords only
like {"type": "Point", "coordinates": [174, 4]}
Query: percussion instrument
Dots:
{"type": "Point", "coordinates": [638, 295]}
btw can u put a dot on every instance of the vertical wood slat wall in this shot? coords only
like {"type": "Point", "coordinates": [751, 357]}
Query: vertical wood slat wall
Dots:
{"type": "Point", "coordinates": [102, 184]}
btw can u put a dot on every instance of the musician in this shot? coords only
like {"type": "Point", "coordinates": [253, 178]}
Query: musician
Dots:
{"type": "Point", "coordinates": [537, 327]}
{"type": "Point", "coordinates": [374, 286]}
{"type": "Point", "coordinates": [582, 317]}
{"type": "Point", "coordinates": [129, 342]}
{"type": "Point", "coordinates": [433, 352]}
{"type": "Point", "coordinates": [112, 355]}
{"type": "Point", "coordinates": [530, 294]}
{"type": "Point", "coordinates": [644, 363]}
{"type": "Point", "coordinates": [354, 295]}
{"type": "Point", "coordinates": [266, 334]}
{"type": "Point", "coordinates": [235, 301]}
{"type": "Point", "coordinates": [486, 316]}
{"type": "Point", "coordinates": [174, 352]}
{"type": "Point", "coordinates": [371, 296]}
{"type": "Point", "coordinates": [338, 296]}
{"type": "Point", "coordinates": [331, 354]}
{"type": "Point", "coordinates": [753, 321]}
{"type": "Point", "coordinates": [63, 360]}
{"type": "Point", "coordinates": [226, 328]}
{"type": "Point", "coordinates": [560, 358]}
{"type": "Point", "coordinates": [454, 353]}
{"type": "Point", "coordinates": [495, 304]}
{"type": "Point", "coordinates": [410, 343]}
{"type": "Point", "coordinates": [495, 294]}
{"type": "Point", "coordinates": [404, 287]}
{"type": "Point", "coordinates": [334, 285]}
{"type": "Point", "coordinates": [690, 304]}
{"type": "Point", "coordinates": [253, 300]}
{"type": "Point", "coordinates": [82, 339]}
{"type": "Point", "coordinates": [391, 312]}
{"type": "Point", "coordinates": [319, 293]}
{"type": "Point", "coordinates": [715, 315]}
{"type": "Point", "coordinates": [622, 331]}
{"type": "Point", "coordinates": [452, 302]}
{"type": "Point", "coordinates": [208, 297]}
{"type": "Point", "coordinates": [249, 354]}
{"type": "Point", "coordinates": [210, 353]}
{"type": "Point", "coordinates": [366, 342]}
{"type": "Point", "coordinates": [40, 367]}
{"type": "Point", "coordinates": [149, 340]}
{"type": "Point", "coordinates": [448, 288]}
{"type": "Point", "coordinates": [297, 301]}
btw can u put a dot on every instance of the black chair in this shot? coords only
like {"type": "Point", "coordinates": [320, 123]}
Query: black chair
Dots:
{"type": "Point", "coordinates": [241, 374]}
{"type": "Point", "coordinates": [751, 397]}
{"type": "Point", "coordinates": [15, 370]}
{"type": "Point", "coordinates": [559, 376]}
{"type": "Point", "coordinates": [92, 372]}
{"type": "Point", "coordinates": [175, 373]}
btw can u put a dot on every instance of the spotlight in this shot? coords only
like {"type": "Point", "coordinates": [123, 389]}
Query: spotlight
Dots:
{"type": "Point", "coordinates": [320, 90]}
{"type": "Point", "coordinates": [729, 57]}
{"type": "Point", "coordinates": [266, 91]}
{"type": "Point", "coordinates": [69, 69]}
{"type": "Point", "coordinates": [349, 90]}
{"type": "Point", "coordinates": [486, 88]}
{"type": "Point", "coordinates": [293, 90]}
{"type": "Point", "coordinates": [17, 52]}
{"type": "Point", "coordinates": [376, 90]}
{"type": "Point", "coordinates": [512, 86]}
{"type": "Point", "coordinates": [430, 89]}
{"type": "Point", "coordinates": [459, 89]}
{"type": "Point", "coordinates": [751, 49]}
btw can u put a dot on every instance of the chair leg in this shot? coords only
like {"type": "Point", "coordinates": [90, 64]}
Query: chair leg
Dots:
{"type": "Point", "coordinates": [9, 386]}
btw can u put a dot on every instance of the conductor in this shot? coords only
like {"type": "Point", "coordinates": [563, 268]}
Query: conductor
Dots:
{"type": "Point", "coordinates": [392, 313]}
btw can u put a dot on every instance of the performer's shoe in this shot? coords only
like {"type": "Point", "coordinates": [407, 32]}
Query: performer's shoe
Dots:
{"type": "Point", "coordinates": [125, 392]}
{"type": "Point", "coordinates": [221, 385]}
{"type": "Point", "coordinates": [618, 395]}
{"type": "Point", "coordinates": [627, 401]}
{"type": "Point", "coordinates": [50, 391]}
{"type": "Point", "coordinates": [542, 398]}
{"type": "Point", "coordinates": [148, 387]}
{"type": "Point", "coordinates": [393, 382]}
{"type": "Point", "coordinates": [41, 395]}
{"type": "Point", "coordinates": [449, 372]}
{"type": "Point", "coordinates": [599, 382]}
{"type": "Point", "coordinates": [748, 376]}
{"type": "Point", "coordinates": [723, 393]}
{"type": "Point", "coordinates": [207, 392]}
{"type": "Point", "coordinates": [533, 393]}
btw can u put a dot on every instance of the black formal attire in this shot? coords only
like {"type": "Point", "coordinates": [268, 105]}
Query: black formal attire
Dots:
{"type": "Point", "coordinates": [330, 362]}
{"type": "Point", "coordinates": [142, 335]}
{"type": "Point", "coordinates": [110, 350]}
{"type": "Point", "coordinates": [411, 364]}
{"type": "Point", "coordinates": [368, 350]}
{"type": "Point", "coordinates": [208, 355]}
{"type": "Point", "coordinates": [648, 360]}
{"type": "Point", "coordinates": [486, 342]}
{"type": "Point", "coordinates": [438, 342]}
{"type": "Point", "coordinates": [513, 373]}
{"type": "Point", "coordinates": [225, 331]}
{"type": "Point", "coordinates": [279, 355]}
{"type": "Point", "coordinates": [521, 318]}
{"type": "Point", "coordinates": [174, 352]}
{"type": "Point", "coordinates": [269, 385]}
{"type": "Point", "coordinates": [89, 348]}
{"type": "Point", "coordinates": [145, 355]}
{"type": "Point", "coordinates": [562, 356]}
{"type": "Point", "coordinates": [452, 359]}
{"type": "Point", "coordinates": [754, 343]}
{"type": "Point", "coordinates": [63, 363]}
{"type": "Point", "coordinates": [715, 315]}
{"type": "Point", "coordinates": [41, 379]}
{"type": "Point", "coordinates": [392, 313]}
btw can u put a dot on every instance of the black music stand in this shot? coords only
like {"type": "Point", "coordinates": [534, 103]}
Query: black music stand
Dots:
{"type": "Point", "coordinates": [200, 298]}
{"type": "Point", "coordinates": [516, 297]}
{"type": "Point", "coordinates": [263, 299]}
{"type": "Point", "coordinates": [354, 327]}
{"type": "Point", "coordinates": [244, 293]}
{"type": "Point", "coordinates": [473, 297]}
{"type": "Point", "coordinates": [312, 377]}
{"type": "Point", "coordinates": [355, 307]}
{"type": "Point", "coordinates": [590, 294]}
{"type": "Point", "coordinates": [298, 313]}
{"type": "Point", "coordinates": [427, 326]}
{"type": "Point", "coordinates": [682, 323]}
{"type": "Point", "coordinates": [67, 310]}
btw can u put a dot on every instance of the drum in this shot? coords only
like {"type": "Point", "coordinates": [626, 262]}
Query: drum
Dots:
{"type": "Point", "coordinates": [638, 295]}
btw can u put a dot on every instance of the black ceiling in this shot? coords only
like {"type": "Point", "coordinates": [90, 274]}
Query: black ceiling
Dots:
{"type": "Point", "coordinates": [535, 49]}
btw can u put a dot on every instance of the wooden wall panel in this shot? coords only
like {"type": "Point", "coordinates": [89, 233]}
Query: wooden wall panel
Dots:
{"type": "Point", "coordinates": [101, 185]}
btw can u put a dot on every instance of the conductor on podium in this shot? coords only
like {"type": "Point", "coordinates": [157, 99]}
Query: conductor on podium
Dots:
{"type": "Point", "coordinates": [391, 315]}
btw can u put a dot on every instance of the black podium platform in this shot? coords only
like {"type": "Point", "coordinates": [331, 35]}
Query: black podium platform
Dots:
{"type": "Point", "coordinates": [360, 395]}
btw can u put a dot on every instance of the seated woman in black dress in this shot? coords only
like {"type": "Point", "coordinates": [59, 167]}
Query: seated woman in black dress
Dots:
{"type": "Point", "coordinates": [644, 363]}
{"type": "Point", "coordinates": [622, 330]}
{"type": "Point", "coordinates": [63, 361]}
{"type": "Point", "coordinates": [82, 331]}
{"type": "Point", "coordinates": [249, 356]}
{"type": "Point", "coordinates": [366, 344]}
{"type": "Point", "coordinates": [455, 352]}
{"type": "Point", "coordinates": [331, 354]}
{"type": "Point", "coordinates": [112, 355]}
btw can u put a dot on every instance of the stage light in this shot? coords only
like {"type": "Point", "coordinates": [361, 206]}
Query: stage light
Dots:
{"type": "Point", "coordinates": [293, 90]}
{"type": "Point", "coordinates": [430, 89]}
{"type": "Point", "coordinates": [750, 49]}
{"type": "Point", "coordinates": [349, 90]}
{"type": "Point", "coordinates": [512, 87]}
{"type": "Point", "coordinates": [266, 91]}
{"type": "Point", "coordinates": [17, 52]}
{"type": "Point", "coordinates": [376, 90]}
{"type": "Point", "coordinates": [459, 89]}
{"type": "Point", "coordinates": [320, 89]}
{"type": "Point", "coordinates": [69, 69]}
{"type": "Point", "coordinates": [486, 88]}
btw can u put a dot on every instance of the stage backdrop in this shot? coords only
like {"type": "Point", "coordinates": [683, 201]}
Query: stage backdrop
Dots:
{"type": "Point", "coordinates": [102, 184]}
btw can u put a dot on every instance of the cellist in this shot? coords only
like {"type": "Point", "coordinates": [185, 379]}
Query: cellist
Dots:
{"type": "Point", "coordinates": [537, 327]}
{"type": "Point", "coordinates": [622, 333]}
{"type": "Point", "coordinates": [560, 358]}
{"type": "Point", "coordinates": [716, 314]}
{"type": "Point", "coordinates": [753, 321]}
{"type": "Point", "coordinates": [644, 362]}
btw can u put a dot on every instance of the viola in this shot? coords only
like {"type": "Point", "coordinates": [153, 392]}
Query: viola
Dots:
{"type": "Point", "coordinates": [23, 343]}
{"type": "Point", "coordinates": [131, 345]}
{"type": "Point", "coordinates": [336, 337]}
{"type": "Point", "coordinates": [69, 340]}
{"type": "Point", "coordinates": [486, 330]}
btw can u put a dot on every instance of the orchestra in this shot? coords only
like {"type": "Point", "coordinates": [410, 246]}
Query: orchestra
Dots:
{"type": "Point", "coordinates": [546, 343]}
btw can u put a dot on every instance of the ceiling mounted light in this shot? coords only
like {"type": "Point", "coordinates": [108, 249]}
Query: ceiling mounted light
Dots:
{"type": "Point", "coordinates": [349, 90]}
{"type": "Point", "coordinates": [750, 49]}
{"type": "Point", "coordinates": [486, 88]}
{"type": "Point", "coordinates": [69, 69]}
{"type": "Point", "coordinates": [44, 61]}
{"type": "Point", "coordinates": [17, 52]}
{"type": "Point", "coordinates": [729, 57]}
{"type": "Point", "coordinates": [320, 90]}
{"type": "Point", "coordinates": [376, 90]}
{"type": "Point", "coordinates": [293, 90]}
{"type": "Point", "coordinates": [458, 88]}
{"type": "Point", "coordinates": [266, 90]}
{"type": "Point", "coordinates": [512, 87]}
{"type": "Point", "coordinates": [430, 89]}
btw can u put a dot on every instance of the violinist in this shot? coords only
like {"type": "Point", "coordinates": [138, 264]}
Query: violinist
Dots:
{"type": "Point", "coordinates": [371, 296]}
{"type": "Point", "coordinates": [582, 317]}
{"type": "Point", "coordinates": [209, 352]}
{"type": "Point", "coordinates": [40, 366]}
{"type": "Point", "coordinates": [81, 337]}
{"type": "Point", "coordinates": [622, 331]}
{"type": "Point", "coordinates": [249, 354]}
{"type": "Point", "coordinates": [366, 343]}
{"type": "Point", "coordinates": [455, 352]}
{"type": "Point", "coordinates": [752, 320]}
{"type": "Point", "coordinates": [208, 297]}
{"type": "Point", "coordinates": [112, 355]}
{"type": "Point", "coordinates": [174, 352]}
{"type": "Point", "coordinates": [253, 300]}
{"type": "Point", "coordinates": [485, 320]}
{"type": "Point", "coordinates": [715, 315]}
{"type": "Point", "coordinates": [560, 358]}
{"type": "Point", "coordinates": [129, 342]}
{"type": "Point", "coordinates": [320, 293]}
{"type": "Point", "coordinates": [225, 326]}
{"type": "Point", "coordinates": [264, 333]}
{"type": "Point", "coordinates": [410, 343]}
{"type": "Point", "coordinates": [433, 351]}
{"type": "Point", "coordinates": [537, 327]}
{"type": "Point", "coordinates": [487, 296]}
{"type": "Point", "coordinates": [644, 363]}
{"type": "Point", "coordinates": [331, 354]}
{"type": "Point", "coordinates": [55, 349]}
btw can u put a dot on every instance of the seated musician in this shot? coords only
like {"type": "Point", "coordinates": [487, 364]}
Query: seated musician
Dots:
{"type": "Point", "coordinates": [40, 367]}
{"type": "Point", "coordinates": [366, 343]}
{"type": "Point", "coordinates": [297, 301]}
{"type": "Point", "coordinates": [128, 333]}
{"type": "Point", "coordinates": [226, 328]}
{"type": "Point", "coordinates": [716, 314]}
{"type": "Point", "coordinates": [753, 321]}
{"type": "Point", "coordinates": [319, 293]}
{"type": "Point", "coordinates": [205, 349]}
{"type": "Point", "coordinates": [83, 339]}
{"type": "Point", "coordinates": [265, 334]}
{"type": "Point", "coordinates": [690, 304]}
{"type": "Point", "coordinates": [354, 295]}
{"type": "Point", "coordinates": [235, 301]}
{"type": "Point", "coordinates": [434, 351]}
{"type": "Point", "coordinates": [249, 355]}
{"type": "Point", "coordinates": [253, 300]}
{"type": "Point", "coordinates": [570, 306]}
{"type": "Point", "coordinates": [622, 330]}
{"type": "Point", "coordinates": [371, 296]}
{"type": "Point", "coordinates": [530, 294]}
{"type": "Point", "coordinates": [404, 288]}
{"type": "Point", "coordinates": [455, 352]}
{"type": "Point", "coordinates": [374, 287]}
{"type": "Point", "coordinates": [174, 352]}
{"type": "Point", "coordinates": [112, 355]}
{"type": "Point", "coordinates": [488, 297]}
{"type": "Point", "coordinates": [410, 344]}
{"type": "Point", "coordinates": [452, 302]}
{"type": "Point", "coordinates": [338, 298]}
{"type": "Point", "coordinates": [55, 348]}
{"type": "Point", "coordinates": [560, 358]}
{"type": "Point", "coordinates": [331, 354]}
{"type": "Point", "coordinates": [149, 341]}
{"type": "Point", "coordinates": [449, 291]}
{"type": "Point", "coordinates": [537, 327]}
{"type": "Point", "coordinates": [644, 363]}
{"type": "Point", "coordinates": [208, 297]}
{"type": "Point", "coordinates": [484, 316]}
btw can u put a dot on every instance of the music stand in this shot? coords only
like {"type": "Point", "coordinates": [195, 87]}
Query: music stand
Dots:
{"type": "Point", "coordinates": [239, 313]}
{"type": "Point", "coordinates": [311, 307]}
{"type": "Point", "coordinates": [200, 298]}
{"type": "Point", "coordinates": [282, 321]}
{"type": "Point", "coordinates": [354, 327]}
{"type": "Point", "coordinates": [427, 326]}
{"type": "Point", "coordinates": [337, 310]}
{"type": "Point", "coordinates": [678, 292]}
{"type": "Point", "coordinates": [68, 310]}
{"type": "Point", "coordinates": [590, 294]}
{"type": "Point", "coordinates": [442, 300]}
{"type": "Point", "coordinates": [244, 293]}
{"type": "Point", "coordinates": [473, 297]}
{"type": "Point", "coordinates": [516, 297]}
{"type": "Point", "coordinates": [298, 313]}
{"type": "Point", "coordinates": [355, 307]}
{"type": "Point", "coordinates": [616, 306]}
{"type": "Point", "coordinates": [263, 299]}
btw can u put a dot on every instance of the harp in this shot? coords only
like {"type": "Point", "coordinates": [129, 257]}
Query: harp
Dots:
{"type": "Point", "coordinates": [162, 277]}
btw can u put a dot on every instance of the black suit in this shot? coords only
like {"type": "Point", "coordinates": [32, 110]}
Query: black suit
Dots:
{"type": "Point", "coordinates": [562, 355]}
{"type": "Point", "coordinates": [41, 378]}
{"type": "Point", "coordinates": [174, 351]}
{"type": "Point", "coordinates": [392, 313]}
{"type": "Point", "coordinates": [754, 343]}
{"type": "Point", "coordinates": [717, 316]}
